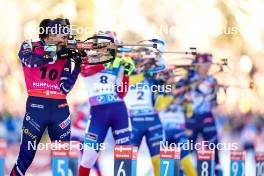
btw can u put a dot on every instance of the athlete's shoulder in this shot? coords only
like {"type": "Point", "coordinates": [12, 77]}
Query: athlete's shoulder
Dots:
{"type": "Point", "coordinates": [136, 78]}
{"type": "Point", "coordinates": [27, 44]}
{"type": "Point", "coordinates": [38, 43]}
{"type": "Point", "coordinates": [36, 47]}
{"type": "Point", "coordinates": [89, 70]}
{"type": "Point", "coordinates": [26, 48]}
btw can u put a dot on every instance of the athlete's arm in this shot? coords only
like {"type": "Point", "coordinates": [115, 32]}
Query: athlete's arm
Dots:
{"type": "Point", "coordinates": [214, 89]}
{"type": "Point", "coordinates": [127, 66]}
{"type": "Point", "coordinates": [124, 86]}
{"type": "Point", "coordinates": [89, 70]}
{"type": "Point", "coordinates": [68, 77]}
{"type": "Point", "coordinates": [33, 58]}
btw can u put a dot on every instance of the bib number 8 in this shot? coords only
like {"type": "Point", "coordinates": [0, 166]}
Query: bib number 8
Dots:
{"type": "Point", "coordinates": [205, 167]}
{"type": "Point", "coordinates": [103, 79]}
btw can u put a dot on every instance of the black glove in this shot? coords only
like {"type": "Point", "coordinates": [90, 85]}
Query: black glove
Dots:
{"type": "Point", "coordinates": [63, 53]}
{"type": "Point", "coordinates": [127, 68]}
{"type": "Point", "coordinates": [78, 62]}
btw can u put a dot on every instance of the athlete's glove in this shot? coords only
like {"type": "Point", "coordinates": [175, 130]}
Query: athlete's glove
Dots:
{"type": "Point", "coordinates": [114, 64]}
{"type": "Point", "coordinates": [63, 53]}
{"type": "Point", "coordinates": [128, 64]}
{"type": "Point", "coordinates": [78, 62]}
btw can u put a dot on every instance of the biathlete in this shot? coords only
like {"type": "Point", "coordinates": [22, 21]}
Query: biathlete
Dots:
{"type": "Point", "coordinates": [204, 99]}
{"type": "Point", "coordinates": [49, 77]}
{"type": "Point", "coordinates": [106, 84]}
{"type": "Point", "coordinates": [173, 108]}
{"type": "Point", "coordinates": [140, 101]}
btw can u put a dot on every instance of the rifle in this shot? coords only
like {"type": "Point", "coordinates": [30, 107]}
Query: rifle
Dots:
{"type": "Point", "coordinates": [91, 50]}
{"type": "Point", "coordinates": [99, 53]}
{"type": "Point", "coordinates": [221, 64]}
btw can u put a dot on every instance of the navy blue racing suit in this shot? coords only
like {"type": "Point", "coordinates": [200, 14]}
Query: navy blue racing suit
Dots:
{"type": "Point", "coordinates": [203, 121]}
{"type": "Point", "coordinates": [48, 81]}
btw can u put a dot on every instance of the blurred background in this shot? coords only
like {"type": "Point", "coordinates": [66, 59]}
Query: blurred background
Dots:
{"type": "Point", "coordinates": [226, 28]}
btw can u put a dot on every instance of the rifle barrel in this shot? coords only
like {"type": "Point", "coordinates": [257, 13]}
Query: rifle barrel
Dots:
{"type": "Point", "coordinates": [135, 44]}
{"type": "Point", "coordinates": [176, 52]}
